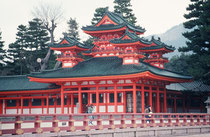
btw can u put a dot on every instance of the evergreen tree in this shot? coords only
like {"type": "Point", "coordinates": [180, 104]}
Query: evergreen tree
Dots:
{"type": "Point", "coordinates": [123, 7]}
{"type": "Point", "coordinates": [31, 43]}
{"type": "Point", "coordinates": [180, 64]}
{"type": "Point", "coordinates": [99, 12]}
{"type": "Point", "coordinates": [199, 38]}
{"type": "Point", "coordinates": [38, 40]}
{"type": "Point", "coordinates": [2, 53]}
{"type": "Point", "coordinates": [16, 52]}
{"type": "Point", "coordinates": [72, 29]}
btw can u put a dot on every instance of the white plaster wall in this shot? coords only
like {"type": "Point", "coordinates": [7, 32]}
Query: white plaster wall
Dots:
{"type": "Point", "coordinates": [25, 111]}
{"type": "Point", "coordinates": [74, 83]}
{"type": "Point", "coordinates": [110, 108]}
{"type": "Point", "coordinates": [136, 61]}
{"type": "Point", "coordinates": [36, 111]}
{"type": "Point", "coordinates": [65, 110]}
{"type": "Point", "coordinates": [128, 60]}
{"type": "Point", "coordinates": [51, 110]}
{"type": "Point", "coordinates": [102, 82]}
{"type": "Point", "coordinates": [120, 108]}
{"type": "Point", "coordinates": [58, 110]}
{"type": "Point", "coordinates": [102, 109]}
{"type": "Point", "coordinates": [67, 64]}
{"type": "Point", "coordinates": [45, 110]}
{"type": "Point", "coordinates": [128, 81]}
{"type": "Point", "coordinates": [11, 111]}
{"type": "Point", "coordinates": [75, 110]}
{"type": "Point", "coordinates": [19, 111]}
{"type": "Point", "coordinates": [84, 83]}
{"type": "Point", "coordinates": [109, 82]}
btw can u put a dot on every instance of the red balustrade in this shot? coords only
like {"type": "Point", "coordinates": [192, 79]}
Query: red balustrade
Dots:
{"type": "Point", "coordinates": [40, 123]}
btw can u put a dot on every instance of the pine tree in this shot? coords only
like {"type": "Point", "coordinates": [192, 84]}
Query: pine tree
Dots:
{"type": "Point", "coordinates": [99, 12]}
{"type": "Point", "coordinates": [31, 43]}
{"type": "Point", "coordinates": [16, 52]}
{"type": "Point", "coordinates": [199, 38]}
{"type": "Point", "coordinates": [38, 40]}
{"type": "Point", "coordinates": [2, 53]}
{"type": "Point", "coordinates": [72, 29]}
{"type": "Point", "coordinates": [123, 7]}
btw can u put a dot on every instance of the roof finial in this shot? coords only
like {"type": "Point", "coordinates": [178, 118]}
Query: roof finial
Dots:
{"type": "Point", "coordinates": [159, 38]}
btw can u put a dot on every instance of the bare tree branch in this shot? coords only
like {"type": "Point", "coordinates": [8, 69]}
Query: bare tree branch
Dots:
{"type": "Point", "coordinates": [50, 15]}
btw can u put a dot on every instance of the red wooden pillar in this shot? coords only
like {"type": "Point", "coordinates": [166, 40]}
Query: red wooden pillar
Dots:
{"type": "Point", "coordinates": [150, 96]}
{"type": "Point", "coordinates": [68, 103]}
{"type": "Point", "coordinates": [47, 100]}
{"type": "Point", "coordinates": [115, 96]}
{"type": "Point", "coordinates": [158, 100]}
{"type": "Point", "coordinates": [1, 106]}
{"type": "Point", "coordinates": [72, 103]}
{"type": "Point", "coordinates": [62, 99]}
{"type": "Point", "coordinates": [17, 106]}
{"type": "Point", "coordinates": [142, 98]}
{"type": "Point", "coordinates": [124, 102]}
{"type": "Point", "coordinates": [30, 104]}
{"type": "Point", "coordinates": [21, 105]}
{"type": "Point", "coordinates": [106, 102]}
{"type": "Point", "coordinates": [134, 96]}
{"type": "Point", "coordinates": [5, 106]}
{"type": "Point", "coordinates": [97, 97]}
{"type": "Point", "coordinates": [80, 97]}
{"type": "Point", "coordinates": [42, 102]}
{"type": "Point", "coordinates": [165, 100]}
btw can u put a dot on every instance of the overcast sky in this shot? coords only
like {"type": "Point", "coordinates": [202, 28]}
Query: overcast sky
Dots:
{"type": "Point", "coordinates": [156, 16]}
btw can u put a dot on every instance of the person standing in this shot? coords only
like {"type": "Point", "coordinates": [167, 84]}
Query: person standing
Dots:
{"type": "Point", "coordinates": [148, 110]}
{"type": "Point", "coordinates": [90, 110]}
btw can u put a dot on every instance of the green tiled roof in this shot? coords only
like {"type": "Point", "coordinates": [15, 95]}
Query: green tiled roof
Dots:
{"type": "Point", "coordinates": [72, 42]}
{"type": "Point", "coordinates": [20, 83]}
{"type": "Point", "coordinates": [195, 86]}
{"type": "Point", "coordinates": [118, 19]}
{"type": "Point", "coordinates": [105, 66]}
{"type": "Point", "coordinates": [133, 38]}
{"type": "Point", "coordinates": [159, 45]}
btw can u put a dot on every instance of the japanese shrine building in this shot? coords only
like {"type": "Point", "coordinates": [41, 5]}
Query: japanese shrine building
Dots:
{"type": "Point", "coordinates": [124, 73]}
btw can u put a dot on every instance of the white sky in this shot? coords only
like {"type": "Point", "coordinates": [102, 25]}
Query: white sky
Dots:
{"type": "Point", "coordinates": [156, 16]}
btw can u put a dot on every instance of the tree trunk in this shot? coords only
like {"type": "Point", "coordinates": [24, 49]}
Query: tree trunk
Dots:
{"type": "Point", "coordinates": [58, 63]}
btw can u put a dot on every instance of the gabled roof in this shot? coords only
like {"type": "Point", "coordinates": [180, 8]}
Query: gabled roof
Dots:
{"type": "Point", "coordinates": [21, 83]}
{"type": "Point", "coordinates": [119, 22]}
{"type": "Point", "coordinates": [158, 45]}
{"type": "Point", "coordinates": [68, 42]}
{"type": "Point", "coordinates": [130, 37]}
{"type": "Point", "coordinates": [105, 66]}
